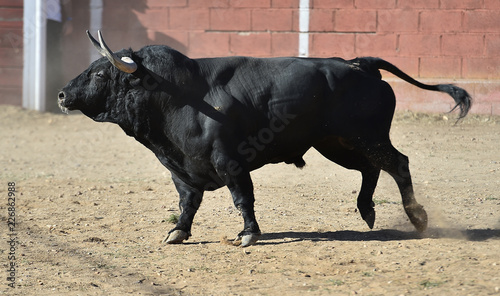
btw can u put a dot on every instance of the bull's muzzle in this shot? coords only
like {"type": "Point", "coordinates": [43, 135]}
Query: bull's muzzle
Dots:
{"type": "Point", "coordinates": [61, 101]}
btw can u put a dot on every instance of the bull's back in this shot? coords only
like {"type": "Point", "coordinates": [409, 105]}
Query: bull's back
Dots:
{"type": "Point", "coordinates": [274, 105]}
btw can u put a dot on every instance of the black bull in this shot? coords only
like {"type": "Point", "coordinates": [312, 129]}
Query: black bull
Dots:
{"type": "Point", "coordinates": [212, 121]}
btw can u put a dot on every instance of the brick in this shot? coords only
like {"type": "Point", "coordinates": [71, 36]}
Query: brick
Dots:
{"type": "Point", "coordinates": [189, 18]}
{"type": "Point", "coordinates": [332, 4]}
{"type": "Point", "coordinates": [441, 67]}
{"type": "Point", "coordinates": [211, 44]}
{"type": "Point", "coordinates": [492, 45]}
{"type": "Point", "coordinates": [272, 19]}
{"type": "Point", "coordinates": [295, 21]}
{"type": "Point", "coordinates": [11, 57]}
{"type": "Point", "coordinates": [426, 4]}
{"type": "Point", "coordinates": [441, 21]}
{"type": "Point", "coordinates": [321, 20]}
{"type": "Point", "coordinates": [285, 3]}
{"type": "Point", "coordinates": [481, 107]}
{"type": "Point", "coordinates": [376, 45]}
{"type": "Point", "coordinates": [482, 21]}
{"type": "Point", "coordinates": [11, 96]}
{"type": "Point", "coordinates": [158, 3]}
{"type": "Point", "coordinates": [11, 24]}
{"type": "Point", "coordinates": [463, 45]}
{"type": "Point", "coordinates": [461, 4]}
{"type": "Point", "coordinates": [355, 20]}
{"type": "Point", "coordinates": [397, 20]}
{"type": "Point", "coordinates": [482, 68]}
{"type": "Point", "coordinates": [491, 4]}
{"type": "Point", "coordinates": [252, 44]}
{"type": "Point", "coordinates": [487, 91]}
{"type": "Point", "coordinates": [419, 45]}
{"type": "Point", "coordinates": [230, 19]}
{"type": "Point", "coordinates": [11, 77]}
{"type": "Point", "coordinates": [163, 3]}
{"type": "Point", "coordinates": [409, 65]}
{"type": "Point", "coordinates": [329, 45]}
{"type": "Point", "coordinates": [284, 44]}
{"type": "Point", "coordinates": [156, 18]}
{"type": "Point", "coordinates": [120, 15]}
{"type": "Point", "coordinates": [374, 4]}
{"type": "Point", "coordinates": [11, 18]}
{"type": "Point", "coordinates": [11, 3]}
{"type": "Point", "coordinates": [495, 109]}
{"type": "Point", "coordinates": [11, 38]}
{"type": "Point", "coordinates": [11, 14]}
{"type": "Point", "coordinates": [250, 3]}
{"type": "Point", "coordinates": [209, 3]}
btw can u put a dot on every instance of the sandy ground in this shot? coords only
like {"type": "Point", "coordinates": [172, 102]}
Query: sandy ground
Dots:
{"type": "Point", "coordinates": [92, 206]}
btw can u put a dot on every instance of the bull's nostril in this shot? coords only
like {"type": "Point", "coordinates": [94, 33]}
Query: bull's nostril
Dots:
{"type": "Point", "coordinates": [61, 95]}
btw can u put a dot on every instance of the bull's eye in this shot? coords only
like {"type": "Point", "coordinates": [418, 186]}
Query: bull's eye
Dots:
{"type": "Point", "coordinates": [100, 74]}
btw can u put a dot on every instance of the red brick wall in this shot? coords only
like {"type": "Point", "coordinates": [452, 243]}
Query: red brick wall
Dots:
{"type": "Point", "coordinates": [428, 38]}
{"type": "Point", "coordinates": [207, 28]}
{"type": "Point", "coordinates": [433, 40]}
{"type": "Point", "coordinates": [11, 51]}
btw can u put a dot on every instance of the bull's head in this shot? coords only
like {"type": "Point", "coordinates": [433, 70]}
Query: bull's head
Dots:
{"type": "Point", "coordinates": [153, 77]}
{"type": "Point", "coordinates": [92, 91]}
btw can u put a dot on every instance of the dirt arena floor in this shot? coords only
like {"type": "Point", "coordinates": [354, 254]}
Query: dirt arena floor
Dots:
{"type": "Point", "coordinates": [92, 207]}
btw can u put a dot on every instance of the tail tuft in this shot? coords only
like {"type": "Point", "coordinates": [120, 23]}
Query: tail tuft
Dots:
{"type": "Point", "coordinates": [462, 98]}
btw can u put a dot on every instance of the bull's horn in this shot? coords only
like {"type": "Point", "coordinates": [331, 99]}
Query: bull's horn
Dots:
{"type": "Point", "coordinates": [124, 64]}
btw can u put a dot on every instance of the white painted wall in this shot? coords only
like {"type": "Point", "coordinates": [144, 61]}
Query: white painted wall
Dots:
{"type": "Point", "coordinates": [35, 33]}
{"type": "Point", "coordinates": [304, 28]}
{"type": "Point", "coordinates": [96, 7]}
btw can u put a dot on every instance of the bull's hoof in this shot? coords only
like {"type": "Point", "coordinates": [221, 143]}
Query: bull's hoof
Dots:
{"type": "Point", "coordinates": [176, 237]}
{"type": "Point", "coordinates": [246, 239]}
{"type": "Point", "coordinates": [418, 217]}
{"type": "Point", "coordinates": [370, 218]}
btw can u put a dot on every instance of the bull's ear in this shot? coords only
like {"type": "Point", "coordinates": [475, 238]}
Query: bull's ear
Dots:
{"type": "Point", "coordinates": [134, 81]}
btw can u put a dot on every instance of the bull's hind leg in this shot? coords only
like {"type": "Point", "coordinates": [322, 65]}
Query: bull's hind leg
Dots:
{"type": "Point", "coordinates": [365, 197]}
{"type": "Point", "coordinates": [389, 159]}
{"type": "Point", "coordinates": [340, 152]}
{"type": "Point", "coordinates": [241, 188]}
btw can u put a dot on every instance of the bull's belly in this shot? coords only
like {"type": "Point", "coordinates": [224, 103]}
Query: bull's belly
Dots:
{"type": "Point", "coordinates": [258, 154]}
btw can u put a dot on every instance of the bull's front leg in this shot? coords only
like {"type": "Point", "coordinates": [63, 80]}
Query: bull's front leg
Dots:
{"type": "Point", "coordinates": [232, 170]}
{"type": "Point", "coordinates": [189, 203]}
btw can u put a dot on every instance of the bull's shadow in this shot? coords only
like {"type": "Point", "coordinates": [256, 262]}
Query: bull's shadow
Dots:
{"type": "Point", "coordinates": [379, 235]}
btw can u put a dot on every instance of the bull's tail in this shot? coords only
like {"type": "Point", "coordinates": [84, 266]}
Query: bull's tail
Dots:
{"type": "Point", "coordinates": [462, 99]}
